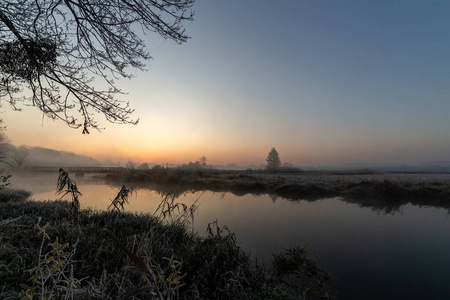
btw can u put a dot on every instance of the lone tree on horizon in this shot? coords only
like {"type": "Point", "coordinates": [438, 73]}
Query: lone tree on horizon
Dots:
{"type": "Point", "coordinates": [63, 56]}
{"type": "Point", "coordinates": [273, 160]}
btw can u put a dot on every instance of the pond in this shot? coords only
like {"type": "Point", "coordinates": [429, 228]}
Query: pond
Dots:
{"type": "Point", "coordinates": [370, 254]}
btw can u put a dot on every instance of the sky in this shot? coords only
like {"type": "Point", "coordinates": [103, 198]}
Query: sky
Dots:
{"type": "Point", "coordinates": [326, 83]}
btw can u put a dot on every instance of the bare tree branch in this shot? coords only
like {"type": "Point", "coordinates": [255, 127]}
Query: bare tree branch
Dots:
{"type": "Point", "coordinates": [52, 51]}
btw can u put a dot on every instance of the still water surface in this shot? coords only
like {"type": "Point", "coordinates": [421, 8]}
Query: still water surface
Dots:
{"type": "Point", "coordinates": [371, 255]}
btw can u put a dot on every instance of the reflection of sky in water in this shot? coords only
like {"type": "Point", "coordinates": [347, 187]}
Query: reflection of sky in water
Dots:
{"type": "Point", "coordinates": [397, 256]}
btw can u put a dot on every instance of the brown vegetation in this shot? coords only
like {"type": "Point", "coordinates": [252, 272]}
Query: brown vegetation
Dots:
{"type": "Point", "coordinates": [376, 190]}
{"type": "Point", "coordinates": [47, 254]}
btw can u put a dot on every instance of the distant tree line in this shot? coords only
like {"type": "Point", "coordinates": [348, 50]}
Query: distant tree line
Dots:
{"type": "Point", "coordinates": [199, 164]}
{"type": "Point", "coordinates": [273, 165]}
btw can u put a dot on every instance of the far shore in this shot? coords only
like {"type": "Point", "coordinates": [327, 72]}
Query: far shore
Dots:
{"type": "Point", "coordinates": [368, 188]}
{"type": "Point", "coordinates": [380, 191]}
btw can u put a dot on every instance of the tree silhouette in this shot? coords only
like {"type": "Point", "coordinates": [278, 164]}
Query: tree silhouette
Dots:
{"type": "Point", "coordinates": [130, 165]}
{"type": "Point", "coordinates": [20, 155]}
{"type": "Point", "coordinates": [203, 161]}
{"type": "Point", "coordinates": [273, 160]}
{"type": "Point", "coordinates": [53, 51]}
{"type": "Point", "coordinates": [143, 166]}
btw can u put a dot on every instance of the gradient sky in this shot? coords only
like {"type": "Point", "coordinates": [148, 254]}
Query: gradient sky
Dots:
{"type": "Point", "coordinates": [325, 82]}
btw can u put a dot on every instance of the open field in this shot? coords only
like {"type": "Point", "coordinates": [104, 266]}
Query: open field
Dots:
{"type": "Point", "coordinates": [351, 177]}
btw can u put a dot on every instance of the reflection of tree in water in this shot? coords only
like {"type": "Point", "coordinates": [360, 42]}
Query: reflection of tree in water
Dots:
{"type": "Point", "coordinates": [162, 190]}
{"type": "Point", "coordinates": [273, 197]}
{"type": "Point", "coordinates": [383, 196]}
{"type": "Point", "coordinates": [379, 205]}
{"type": "Point", "coordinates": [394, 206]}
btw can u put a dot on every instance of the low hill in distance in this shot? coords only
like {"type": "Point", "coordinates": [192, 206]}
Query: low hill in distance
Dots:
{"type": "Point", "coordinates": [40, 156]}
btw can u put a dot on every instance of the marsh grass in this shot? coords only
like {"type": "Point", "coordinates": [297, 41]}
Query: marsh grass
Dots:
{"type": "Point", "coordinates": [119, 202]}
{"type": "Point", "coordinates": [4, 178]}
{"type": "Point", "coordinates": [174, 212]}
{"type": "Point", "coordinates": [179, 263]}
{"type": "Point", "coordinates": [52, 277]}
{"type": "Point", "coordinates": [302, 272]}
{"type": "Point", "coordinates": [119, 255]}
{"type": "Point", "coordinates": [66, 186]}
{"type": "Point", "coordinates": [15, 195]}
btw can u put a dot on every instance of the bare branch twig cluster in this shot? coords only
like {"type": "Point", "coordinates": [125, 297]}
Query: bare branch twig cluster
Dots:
{"type": "Point", "coordinates": [57, 50]}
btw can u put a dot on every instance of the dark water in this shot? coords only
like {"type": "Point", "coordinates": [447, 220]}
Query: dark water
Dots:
{"type": "Point", "coordinates": [371, 255]}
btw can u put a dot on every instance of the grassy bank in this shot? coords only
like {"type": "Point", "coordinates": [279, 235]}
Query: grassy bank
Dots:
{"type": "Point", "coordinates": [48, 251]}
{"type": "Point", "coordinates": [379, 191]}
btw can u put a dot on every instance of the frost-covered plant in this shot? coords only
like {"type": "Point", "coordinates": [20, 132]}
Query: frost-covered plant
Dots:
{"type": "Point", "coordinates": [118, 204]}
{"type": "Point", "coordinates": [4, 179]}
{"type": "Point", "coordinates": [53, 276]}
{"type": "Point", "coordinates": [65, 186]}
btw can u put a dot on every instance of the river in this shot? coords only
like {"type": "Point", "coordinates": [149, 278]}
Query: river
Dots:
{"type": "Point", "coordinates": [404, 254]}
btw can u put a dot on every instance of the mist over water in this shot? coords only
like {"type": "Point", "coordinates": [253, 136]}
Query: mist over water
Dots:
{"type": "Point", "coordinates": [402, 255]}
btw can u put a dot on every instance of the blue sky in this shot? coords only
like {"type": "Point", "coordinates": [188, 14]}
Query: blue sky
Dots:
{"type": "Point", "coordinates": [325, 82]}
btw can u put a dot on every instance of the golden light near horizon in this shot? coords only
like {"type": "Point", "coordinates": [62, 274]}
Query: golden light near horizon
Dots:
{"type": "Point", "coordinates": [122, 143]}
{"type": "Point", "coordinates": [321, 87]}
{"type": "Point", "coordinates": [311, 131]}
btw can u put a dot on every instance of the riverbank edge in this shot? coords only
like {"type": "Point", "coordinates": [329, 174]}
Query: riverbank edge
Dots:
{"type": "Point", "coordinates": [41, 242]}
{"type": "Point", "coordinates": [378, 193]}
